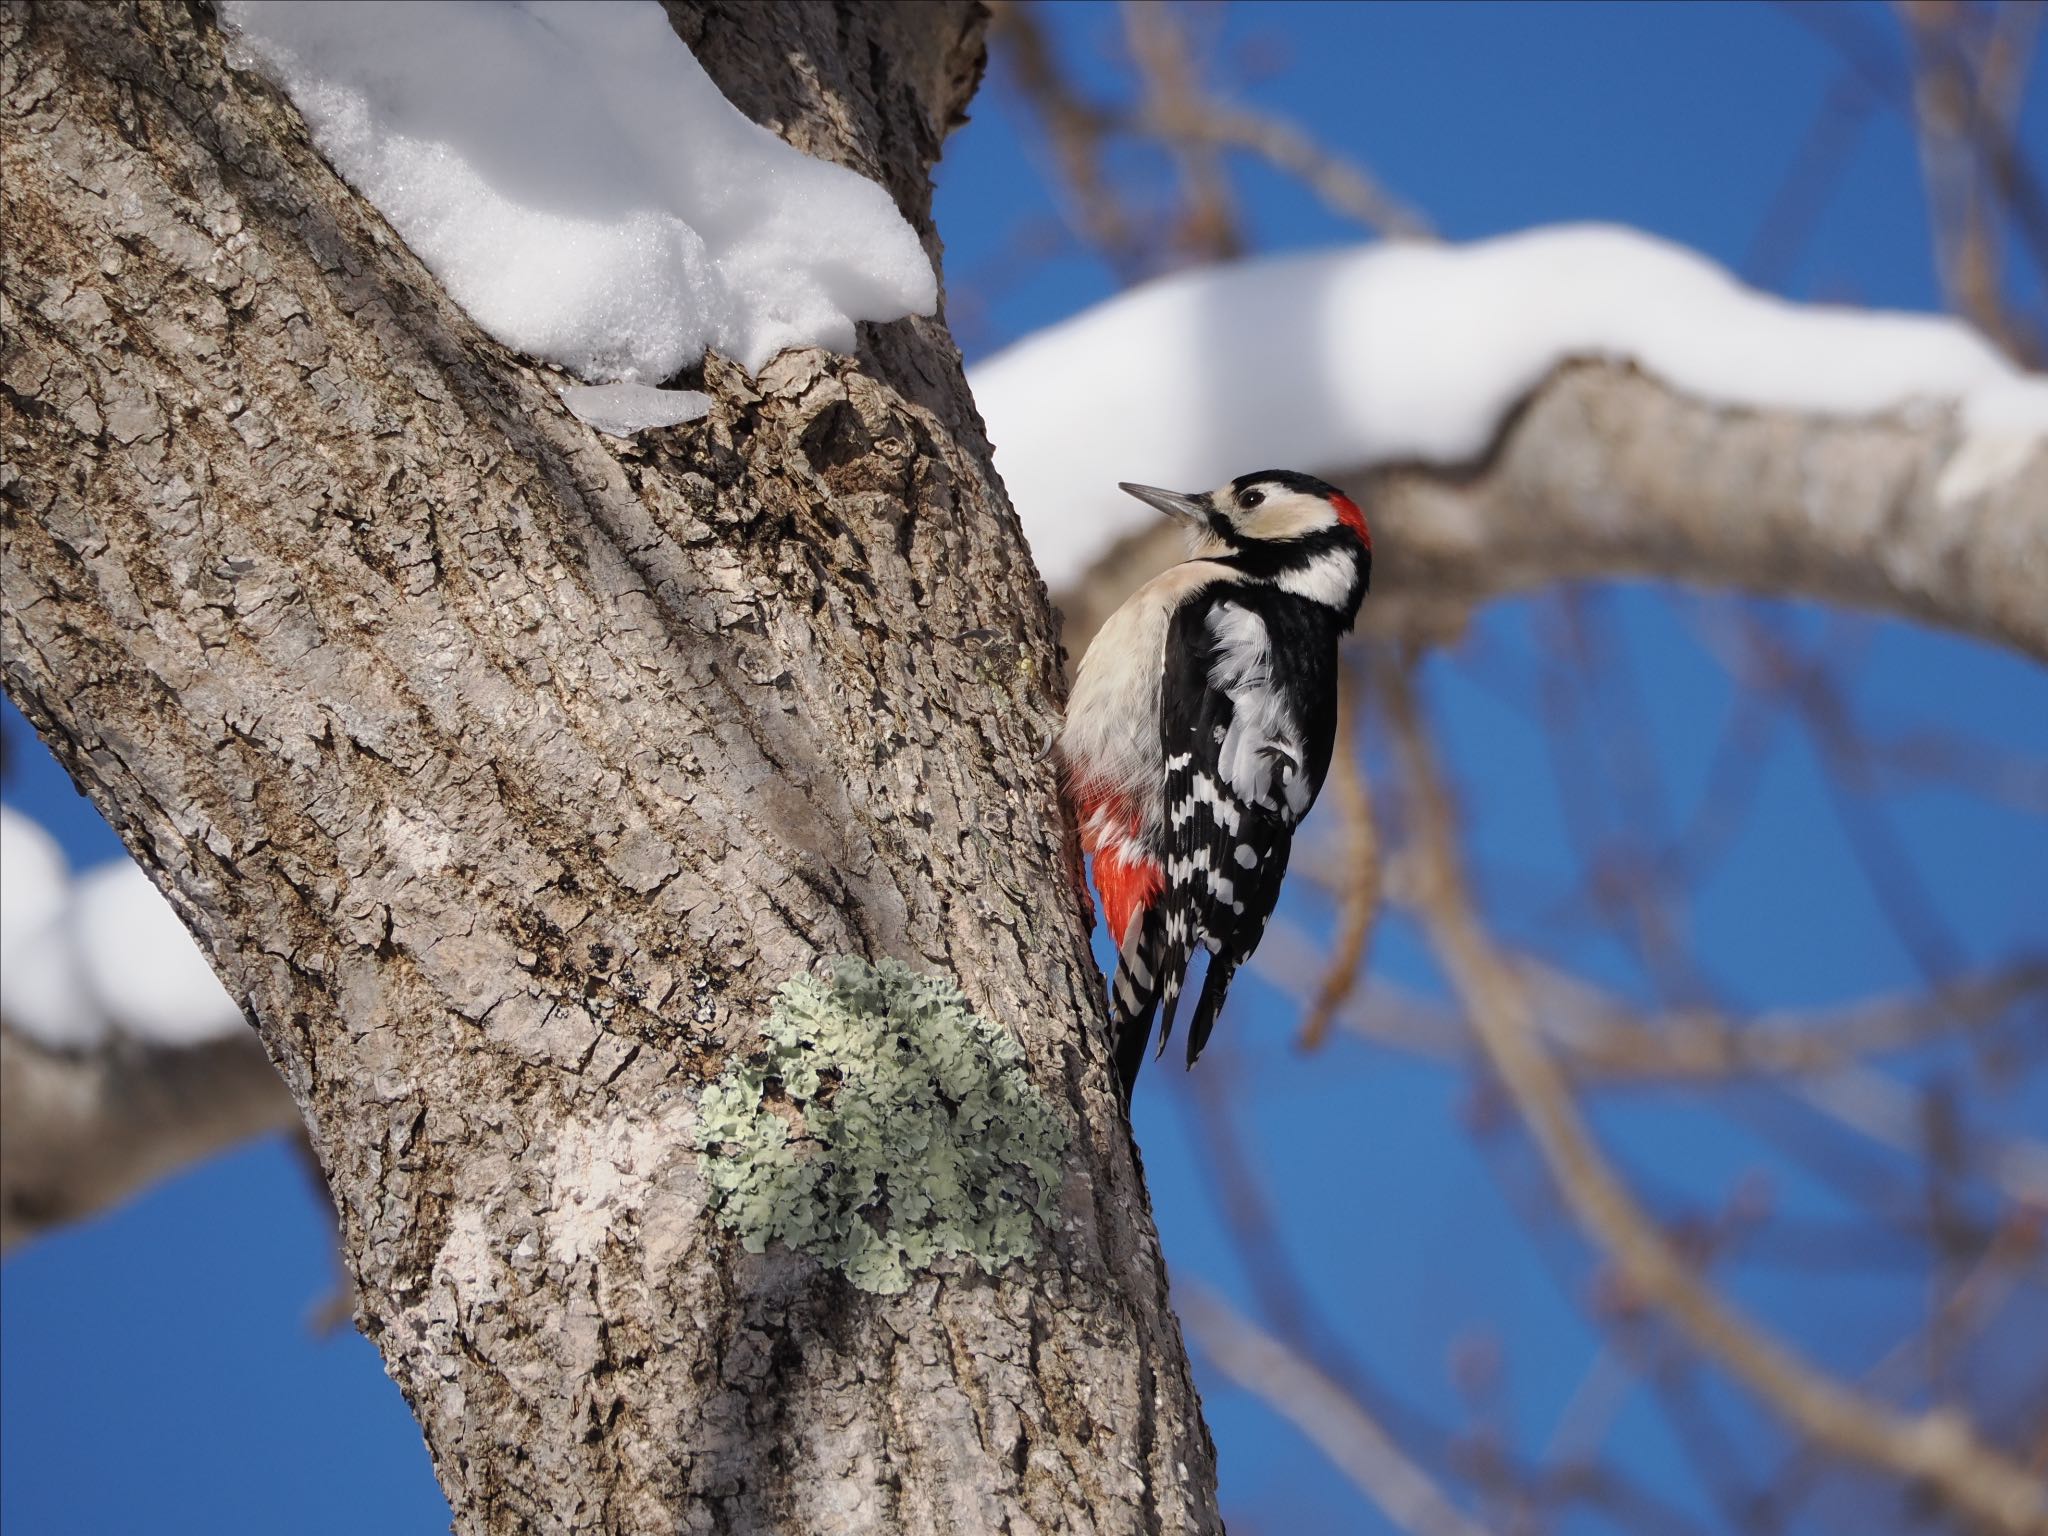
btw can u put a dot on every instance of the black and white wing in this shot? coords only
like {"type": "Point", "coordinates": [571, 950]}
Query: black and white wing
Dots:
{"type": "Point", "coordinates": [1246, 748]}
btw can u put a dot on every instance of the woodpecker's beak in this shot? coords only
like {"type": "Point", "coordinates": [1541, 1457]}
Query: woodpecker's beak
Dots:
{"type": "Point", "coordinates": [1192, 510]}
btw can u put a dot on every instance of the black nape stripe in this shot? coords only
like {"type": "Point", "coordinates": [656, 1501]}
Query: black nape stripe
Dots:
{"type": "Point", "coordinates": [1293, 479]}
{"type": "Point", "coordinates": [1269, 557]}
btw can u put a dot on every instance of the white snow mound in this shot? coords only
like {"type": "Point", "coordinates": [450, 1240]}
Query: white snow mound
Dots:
{"type": "Point", "coordinates": [39, 989]}
{"type": "Point", "coordinates": [83, 960]}
{"type": "Point", "coordinates": [140, 964]}
{"type": "Point", "coordinates": [1334, 361]}
{"type": "Point", "coordinates": [33, 873]}
{"type": "Point", "coordinates": [580, 186]}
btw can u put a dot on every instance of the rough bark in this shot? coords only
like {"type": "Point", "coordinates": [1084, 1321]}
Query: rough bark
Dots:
{"type": "Point", "coordinates": [504, 771]}
{"type": "Point", "coordinates": [1606, 472]}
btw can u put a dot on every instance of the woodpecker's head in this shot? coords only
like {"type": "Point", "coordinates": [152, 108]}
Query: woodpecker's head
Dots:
{"type": "Point", "coordinates": [1261, 510]}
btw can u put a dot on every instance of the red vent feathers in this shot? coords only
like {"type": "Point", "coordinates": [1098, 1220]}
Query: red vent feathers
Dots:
{"type": "Point", "coordinates": [1128, 879]}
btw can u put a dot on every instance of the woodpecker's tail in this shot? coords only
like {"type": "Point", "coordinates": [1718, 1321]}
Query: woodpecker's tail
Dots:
{"type": "Point", "coordinates": [1214, 985]}
{"type": "Point", "coordinates": [1149, 970]}
{"type": "Point", "coordinates": [1134, 997]}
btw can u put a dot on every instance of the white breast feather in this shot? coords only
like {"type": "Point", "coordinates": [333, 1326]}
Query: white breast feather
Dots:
{"type": "Point", "coordinates": [1111, 736]}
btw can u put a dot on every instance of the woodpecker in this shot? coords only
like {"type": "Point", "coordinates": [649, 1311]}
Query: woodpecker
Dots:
{"type": "Point", "coordinates": [1199, 731]}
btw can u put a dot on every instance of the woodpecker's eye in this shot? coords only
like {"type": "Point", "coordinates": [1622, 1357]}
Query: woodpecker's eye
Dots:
{"type": "Point", "coordinates": [1250, 499]}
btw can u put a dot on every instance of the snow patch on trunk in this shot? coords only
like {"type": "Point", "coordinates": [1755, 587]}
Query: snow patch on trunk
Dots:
{"type": "Point", "coordinates": [579, 185]}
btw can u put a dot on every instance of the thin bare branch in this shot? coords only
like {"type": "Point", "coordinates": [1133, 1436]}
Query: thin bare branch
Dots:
{"type": "Point", "coordinates": [1879, 1107]}
{"type": "Point", "coordinates": [1954, 117]}
{"type": "Point", "coordinates": [1208, 229]}
{"type": "Point", "coordinates": [1817, 166]}
{"type": "Point", "coordinates": [1601, 1038]}
{"type": "Point", "coordinates": [1938, 1447]}
{"type": "Point", "coordinates": [1077, 130]}
{"type": "Point", "coordinates": [1359, 840]}
{"type": "Point", "coordinates": [1343, 185]}
{"type": "Point", "coordinates": [1326, 1414]}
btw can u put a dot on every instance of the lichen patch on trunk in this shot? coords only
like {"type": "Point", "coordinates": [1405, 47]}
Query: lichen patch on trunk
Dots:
{"type": "Point", "coordinates": [885, 1125]}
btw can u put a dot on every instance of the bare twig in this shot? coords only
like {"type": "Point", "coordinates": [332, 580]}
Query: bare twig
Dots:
{"type": "Point", "coordinates": [1877, 1106]}
{"type": "Point", "coordinates": [1939, 1447]}
{"type": "Point", "coordinates": [1232, 1180]}
{"type": "Point", "coordinates": [1956, 113]}
{"type": "Point", "coordinates": [1077, 130]}
{"type": "Point", "coordinates": [1601, 1038]}
{"type": "Point", "coordinates": [1208, 230]}
{"type": "Point", "coordinates": [2010, 173]}
{"type": "Point", "coordinates": [1361, 881]}
{"type": "Point", "coordinates": [1343, 185]}
{"type": "Point", "coordinates": [1823, 154]}
{"type": "Point", "coordinates": [2015, 1244]}
{"type": "Point", "coordinates": [1326, 1414]}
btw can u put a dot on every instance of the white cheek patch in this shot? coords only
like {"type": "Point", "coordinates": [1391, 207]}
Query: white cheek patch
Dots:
{"type": "Point", "coordinates": [1327, 579]}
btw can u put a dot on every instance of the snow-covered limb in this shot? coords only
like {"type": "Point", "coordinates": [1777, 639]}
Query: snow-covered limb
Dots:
{"type": "Point", "coordinates": [85, 960]}
{"type": "Point", "coordinates": [122, 1058]}
{"type": "Point", "coordinates": [580, 186]}
{"type": "Point", "coordinates": [1689, 427]}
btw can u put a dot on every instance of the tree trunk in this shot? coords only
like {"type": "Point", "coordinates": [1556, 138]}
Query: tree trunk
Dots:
{"type": "Point", "coordinates": [506, 772]}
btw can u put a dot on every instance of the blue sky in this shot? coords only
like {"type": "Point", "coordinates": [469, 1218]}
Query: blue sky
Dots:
{"type": "Point", "coordinates": [160, 1373]}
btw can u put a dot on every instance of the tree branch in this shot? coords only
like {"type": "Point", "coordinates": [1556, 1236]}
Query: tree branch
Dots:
{"type": "Point", "coordinates": [1343, 185]}
{"type": "Point", "coordinates": [1606, 472]}
{"type": "Point", "coordinates": [82, 1131]}
{"type": "Point", "coordinates": [1331, 1418]}
{"type": "Point", "coordinates": [1359, 887]}
{"type": "Point", "coordinates": [1938, 1447]}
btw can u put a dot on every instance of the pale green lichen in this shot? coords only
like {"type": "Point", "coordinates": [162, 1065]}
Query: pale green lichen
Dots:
{"type": "Point", "coordinates": [885, 1125]}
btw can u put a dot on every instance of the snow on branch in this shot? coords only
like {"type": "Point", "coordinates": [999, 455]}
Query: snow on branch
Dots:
{"type": "Point", "coordinates": [1349, 360]}
{"type": "Point", "coordinates": [88, 960]}
{"type": "Point", "coordinates": [122, 1058]}
{"type": "Point", "coordinates": [579, 185]}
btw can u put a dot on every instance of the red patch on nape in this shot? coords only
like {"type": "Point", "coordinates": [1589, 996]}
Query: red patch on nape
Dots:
{"type": "Point", "coordinates": [1127, 878]}
{"type": "Point", "coordinates": [1349, 515]}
